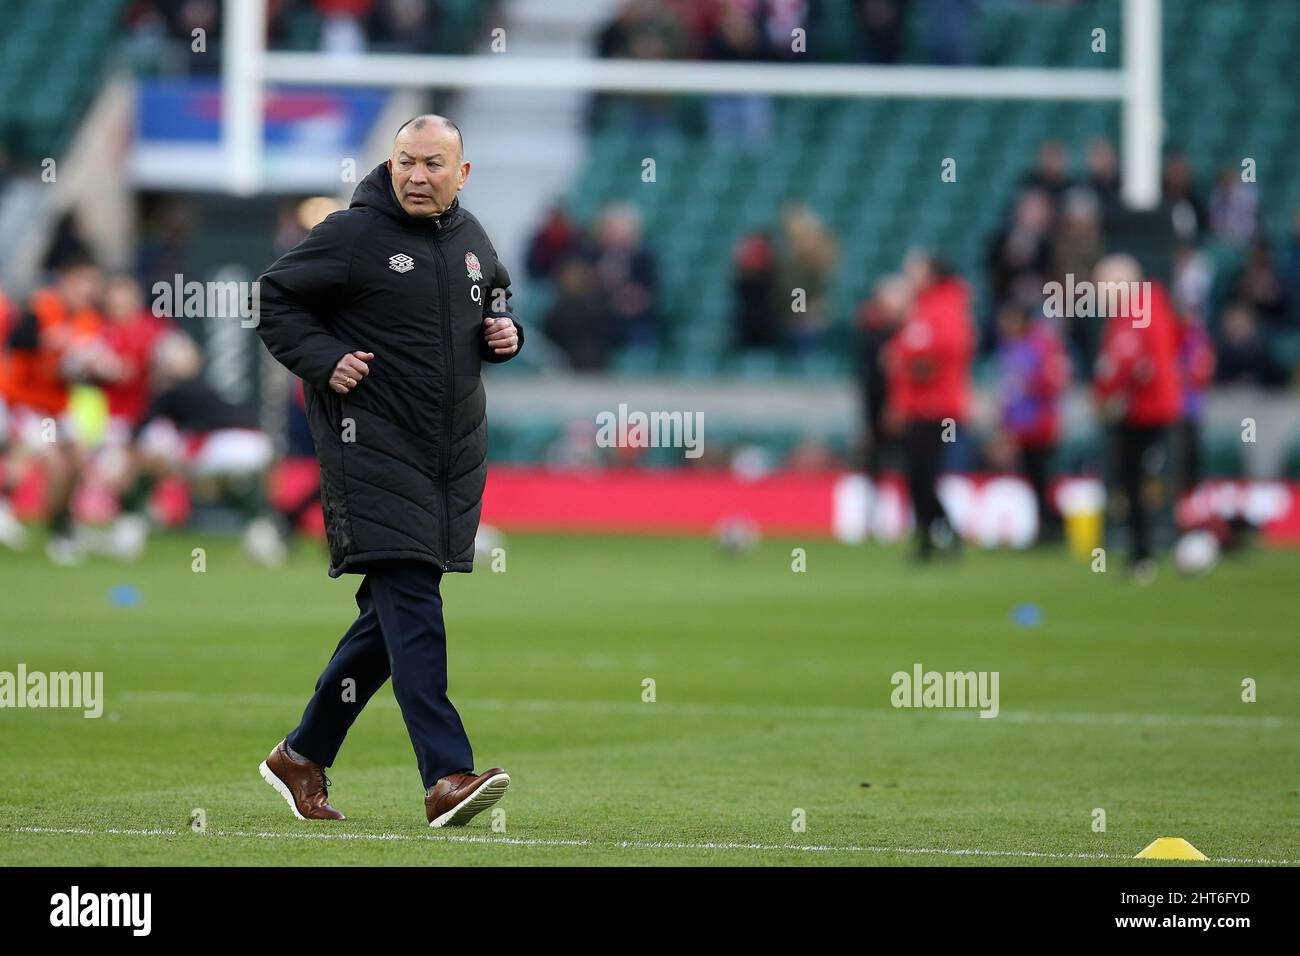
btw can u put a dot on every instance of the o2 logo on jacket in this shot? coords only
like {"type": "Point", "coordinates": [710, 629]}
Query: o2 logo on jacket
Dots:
{"type": "Point", "coordinates": [472, 267]}
{"type": "Point", "coordinates": [401, 262]}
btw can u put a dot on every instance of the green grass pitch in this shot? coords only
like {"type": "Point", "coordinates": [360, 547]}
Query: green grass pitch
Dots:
{"type": "Point", "coordinates": [772, 697]}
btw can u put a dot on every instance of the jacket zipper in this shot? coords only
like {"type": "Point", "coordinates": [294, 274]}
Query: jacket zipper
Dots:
{"type": "Point", "coordinates": [449, 405]}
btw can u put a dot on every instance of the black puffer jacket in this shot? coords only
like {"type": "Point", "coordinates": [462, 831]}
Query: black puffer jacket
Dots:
{"type": "Point", "coordinates": [409, 482]}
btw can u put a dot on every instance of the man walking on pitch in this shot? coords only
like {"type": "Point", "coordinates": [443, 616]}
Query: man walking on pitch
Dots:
{"type": "Point", "coordinates": [386, 311]}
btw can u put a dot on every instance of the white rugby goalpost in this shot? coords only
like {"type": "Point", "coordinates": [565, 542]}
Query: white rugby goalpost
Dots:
{"type": "Point", "coordinates": [247, 68]}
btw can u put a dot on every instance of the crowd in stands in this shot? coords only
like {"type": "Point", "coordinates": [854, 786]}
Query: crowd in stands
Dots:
{"type": "Point", "coordinates": [755, 30]}
{"type": "Point", "coordinates": [605, 284]}
{"type": "Point", "coordinates": [1226, 276]}
{"type": "Point", "coordinates": [162, 32]}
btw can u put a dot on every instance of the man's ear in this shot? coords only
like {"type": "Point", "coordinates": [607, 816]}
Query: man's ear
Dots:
{"type": "Point", "coordinates": [389, 164]}
{"type": "Point", "coordinates": [464, 176]}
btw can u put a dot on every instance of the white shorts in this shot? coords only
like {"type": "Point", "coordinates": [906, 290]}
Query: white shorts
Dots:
{"type": "Point", "coordinates": [36, 432]}
{"type": "Point", "coordinates": [224, 452]}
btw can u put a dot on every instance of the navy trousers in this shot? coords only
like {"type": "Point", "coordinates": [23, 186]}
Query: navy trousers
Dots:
{"type": "Point", "coordinates": [399, 633]}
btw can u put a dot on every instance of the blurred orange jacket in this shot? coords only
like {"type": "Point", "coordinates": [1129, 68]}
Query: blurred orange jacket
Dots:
{"type": "Point", "coordinates": [30, 375]}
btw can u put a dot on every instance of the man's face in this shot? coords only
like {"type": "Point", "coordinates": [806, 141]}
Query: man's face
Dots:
{"type": "Point", "coordinates": [80, 287]}
{"type": "Point", "coordinates": [122, 301]}
{"type": "Point", "coordinates": [427, 169]}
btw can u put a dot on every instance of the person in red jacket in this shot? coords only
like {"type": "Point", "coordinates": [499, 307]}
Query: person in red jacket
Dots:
{"type": "Point", "coordinates": [928, 364]}
{"type": "Point", "coordinates": [1138, 388]}
{"type": "Point", "coordinates": [130, 334]}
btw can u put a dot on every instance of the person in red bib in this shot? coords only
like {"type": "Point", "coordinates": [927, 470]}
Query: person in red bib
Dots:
{"type": "Point", "coordinates": [1138, 388]}
{"type": "Point", "coordinates": [928, 363]}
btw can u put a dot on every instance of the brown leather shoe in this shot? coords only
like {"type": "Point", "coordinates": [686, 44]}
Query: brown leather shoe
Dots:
{"type": "Point", "coordinates": [458, 796]}
{"type": "Point", "coordinates": [304, 786]}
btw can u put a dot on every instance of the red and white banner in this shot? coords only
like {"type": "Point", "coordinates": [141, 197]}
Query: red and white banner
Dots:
{"type": "Point", "coordinates": [991, 510]}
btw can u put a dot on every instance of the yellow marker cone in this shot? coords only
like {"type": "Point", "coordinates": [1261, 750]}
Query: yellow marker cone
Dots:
{"type": "Point", "coordinates": [1170, 848]}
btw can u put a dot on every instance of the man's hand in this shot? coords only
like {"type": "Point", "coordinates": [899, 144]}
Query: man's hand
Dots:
{"type": "Point", "coordinates": [501, 334]}
{"type": "Point", "coordinates": [350, 370]}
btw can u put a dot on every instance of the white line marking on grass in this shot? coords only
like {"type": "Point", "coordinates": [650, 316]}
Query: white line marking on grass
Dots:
{"type": "Point", "coordinates": [1146, 720]}
{"type": "Point", "coordinates": [688, 709]}
{"type": "Point", "coordinates": [622, 844]}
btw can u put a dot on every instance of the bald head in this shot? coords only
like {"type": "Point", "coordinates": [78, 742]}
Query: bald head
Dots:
{"type": "Point", "coordinates": [424, 119]}
{"type": "Point", "coordinates": [1117, 267]}
{"type": "Point", "coordinates": [428, 165]}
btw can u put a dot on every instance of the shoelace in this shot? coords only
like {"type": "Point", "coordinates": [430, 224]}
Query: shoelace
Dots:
{"type": "Point", "coordinates": [324, 784]}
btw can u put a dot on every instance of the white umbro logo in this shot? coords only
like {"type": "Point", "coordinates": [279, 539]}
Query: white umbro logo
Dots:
{"type": "Point", "coordinates": [401, 262]}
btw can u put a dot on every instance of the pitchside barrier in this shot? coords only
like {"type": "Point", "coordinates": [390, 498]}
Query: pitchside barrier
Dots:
{"type": "Point", "coordinates": [988, 510]}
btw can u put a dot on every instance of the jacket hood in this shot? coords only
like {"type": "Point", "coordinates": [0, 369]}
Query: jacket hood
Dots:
{"type": "Point", "coordinates": [376, 191]}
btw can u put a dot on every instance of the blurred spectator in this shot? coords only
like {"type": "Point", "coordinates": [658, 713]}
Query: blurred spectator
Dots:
{"type": "Point", "coordinates": [1261, 286]}
{"type": "Point", "coordinates": [166, 226]}
{"type": "Point", "coordinates": [878, 319]}
{"type": "Point", "coordinates": [8, 316]}
{"type": "Point", "coordinates": [1103, 172]}
{"type": "Point", "coordinates": [343, 25]}
{"type": "Point", "coordinates": [12, 533]}
{"type": "Point", "coordinates": [1192, 280]}
{"type": "Point", "coordinates": [55, 345]}
{"type": "Point", "coordinates": [1291, 267]}
{"type": "Point", "coordinates": [1076, 247]}
{"type": "Point", "coordinates": [189, 430]}
{"type": "Point", "coordinates": [556, 239]}
{"type": "Point", "coordinates": [130, 333]}
{"type": "Point", "coordinates": [576, 321]}
{"type": "Point", "coordinates": [626, 275]}
{"type": "Point", "coordinates": [205, 15]}
{"type": "Point", "coordinates": [950, 31]}
{"type": "Point", "coordinates": [742, 118]}
{"type": "Point", "coordinates": [929, 384]}
{"type": "Point", "coordinates": [52, 344]}
{"type": "Point", "coordinates": [756, 321]}
{"type": "Point", "coordinates": [1051, 175]}
{"type": "Point", "coordinates": [643, 30]}
{"type": "Point", "coordinates": [1033, 373]}
{"type": "Point", "coordinates": [161, 32]}
{"type": "Point", "coordinates": [882, 23]}
{"type": "Point", "coordinates": [178, 35]}
{"type": "Point", "coordinates": [66, 245]}
{"type": "Point", "coordinates": [1233, 208]}
{"type": "Point", "coordinates": [1021, 255]}
{"type": "Point", "coordinates": [806, 257]}
{"type": "Point", "coordinates": [1137, 388]}
{"type": "Point", "coordinates": [1242, 358]}
{"type": "Point", "coordinates": [780, 18]}
{"type": "Point", "coordinates": [405, 26]}
{"type": "Point", "coordinates": [1196, 365]}
{"type": "Point", "coordinates": [289, 230]}
{"type": "Point", "coordinates": [1179, 197]}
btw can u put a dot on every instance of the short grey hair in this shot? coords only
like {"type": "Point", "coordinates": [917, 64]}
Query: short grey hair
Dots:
{"type": "Point", "coordinates": [419, 122]}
